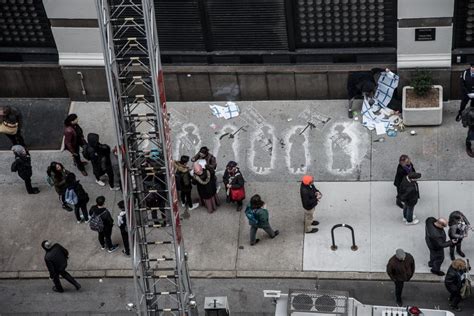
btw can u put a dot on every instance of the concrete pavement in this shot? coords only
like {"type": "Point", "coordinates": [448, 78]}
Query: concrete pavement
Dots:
{"type": "Point", "coordinates": [352, 171]}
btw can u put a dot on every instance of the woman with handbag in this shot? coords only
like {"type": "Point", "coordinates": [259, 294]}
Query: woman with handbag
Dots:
{"type": "Point", "coordinates": [74, 140]}
{"type": "Point", "coordinates": [234, 184]}
{"type": "Point", "coordinates": [455, 280]}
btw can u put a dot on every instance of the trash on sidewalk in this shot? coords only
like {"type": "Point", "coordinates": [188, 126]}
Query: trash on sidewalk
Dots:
{"type": "Point", "coordinates": [378, 116]}
{"type": "Point", "coordinates": [230, 110]}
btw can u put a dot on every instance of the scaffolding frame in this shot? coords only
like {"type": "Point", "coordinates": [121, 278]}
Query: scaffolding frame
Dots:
{"type": "Point", "coordinates": [136, 91]}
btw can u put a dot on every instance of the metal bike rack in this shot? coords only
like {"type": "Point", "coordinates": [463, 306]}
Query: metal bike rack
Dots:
{"type": "Point", "coordinates": [334, 247]}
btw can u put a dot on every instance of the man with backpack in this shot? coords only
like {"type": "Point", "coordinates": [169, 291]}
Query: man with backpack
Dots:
{"type": "Point", "coordinates": [76, 197]}
{"type": "Point", "coordinates": [257, 216]}
{"type": "Point", "coordinates": [99, 155]}
{"type": "Point", "coordinates": [468, 121]}
{"type": "Point", "coordinates": [102, 222]}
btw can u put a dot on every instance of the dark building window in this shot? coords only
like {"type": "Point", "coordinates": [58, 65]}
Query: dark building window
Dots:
{"type": "Point", "coordinates": [464, 24]}
{"type": "Point", "coordinates": [25, 32]}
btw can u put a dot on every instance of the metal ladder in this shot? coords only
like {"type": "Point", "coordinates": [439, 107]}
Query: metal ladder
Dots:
{"type": "Point", "coordinates": [136, 90]}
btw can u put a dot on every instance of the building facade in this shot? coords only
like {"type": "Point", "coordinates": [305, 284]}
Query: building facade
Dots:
{"type": "Point", "coordinates": [240, 49]}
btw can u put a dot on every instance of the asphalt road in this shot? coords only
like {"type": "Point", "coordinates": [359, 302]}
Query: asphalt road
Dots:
{"type": "Point", "coordinates": [109, 296]}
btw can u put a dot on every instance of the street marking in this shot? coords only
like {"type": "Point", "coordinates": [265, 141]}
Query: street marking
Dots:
{"type": "Point", "coordinates": [297, 150]}
{"type": "Point", "coordinates": [188, 141]}
{"type": "Point", "coordinates": [262, 157]}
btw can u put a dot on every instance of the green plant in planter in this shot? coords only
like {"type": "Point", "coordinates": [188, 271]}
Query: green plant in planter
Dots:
{"type": "Point", "coordinates": [422, 82]}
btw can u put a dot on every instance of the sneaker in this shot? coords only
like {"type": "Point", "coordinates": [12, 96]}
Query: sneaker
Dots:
{"type": "Point", "coordinates": [256, 242]}
{"type": "Point", "coordinates": [114, 248]}
{"type": "Point", "coordinates": [314, 223]}
{"type": "Point", "coordinates": [35, 191]}
{"type": "Point", "coordinates": [56, 290]}
{"type": "Point", "coordinates": [458, 117]}
{"type": "Point", "coordinates": [86, 221]}
{"type": "Point", "coordinates": [79, 222]}
{"type": "Point", "coordinates": [78, 287]}
{"type": "Point", "coordinates": [113, 188]}
{"type": "Point", "coordinates": [314, 230]}
{"type": "Point", "coordinates": [183, 205]}
{"type": "Point", "coordinates": [195, 205]}
{"type": "Point", "coordinates": [102, 184]}
{"type": "Point", "coordinates": [414, 222]}
{"type": "Point", "coordinates": [277, 232]}
{"type": "Point", "coordinates": [350, 114]}
{"type": "Point", "coordinates": [125, 252]}
{"type": "Point", "coordinates": [440, 273]}
{"type": "Point", "coordinates": [414, 217]}
{"type": "Point", "coordinates": [102, 247]}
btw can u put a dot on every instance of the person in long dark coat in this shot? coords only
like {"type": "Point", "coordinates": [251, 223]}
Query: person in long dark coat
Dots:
{"type": "Point", "coordinates": [400, 269]}
{"type": "Point", "coordinates": [205, 181]}
{"type": "Point", "coordinates": [56, 260]}
{"type": "Point", "coordinates": [409, 195]}
{"type": "Point", "coordinates": [405, 166]}
{"type": "Point", "coordinates": [82, 198]}
{"type": "Point", "coordinates": [454, 281]}
{"type": "Point", "coordinates": [99, 155]}
{"type": "Point", "coordinates": [435, 238]}
{"type": "Point", "coordinates": [74, 141]}
{"type": "Point", "coordinates": [22, 165]}
{"type": "Point", "coordinates": [233, 180]}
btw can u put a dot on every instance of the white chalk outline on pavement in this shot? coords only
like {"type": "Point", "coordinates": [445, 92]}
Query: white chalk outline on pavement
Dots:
{"type": "Point", "coordinates": [353, 150]}
{"type": "Point", "coordinates": [182, 135]}
{"type": "Point", "coordinates": [292, 131]}
{"type": "Point", "coordinates": [254, 139]}
{"type": "Point", "coordinates": [235, 145]}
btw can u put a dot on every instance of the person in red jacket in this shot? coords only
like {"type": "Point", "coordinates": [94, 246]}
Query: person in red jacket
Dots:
{"type": "Point", "coordinates": [74, 140]}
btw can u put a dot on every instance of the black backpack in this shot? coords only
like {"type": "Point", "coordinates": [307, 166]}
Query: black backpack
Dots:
{"type": "Point", "coordinates": [89, 153]}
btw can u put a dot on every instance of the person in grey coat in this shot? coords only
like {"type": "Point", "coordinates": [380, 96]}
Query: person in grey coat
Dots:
{"type": "Point", "coordinates": [458, 228]}
{"type": "Point", "coordinates": [56, 260]}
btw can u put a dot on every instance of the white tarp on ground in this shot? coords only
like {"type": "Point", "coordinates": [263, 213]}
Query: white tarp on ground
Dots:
{"type": "Point", "coordinates": [378, 116]}
{"type": "Point", "coordinates": [230, 110]}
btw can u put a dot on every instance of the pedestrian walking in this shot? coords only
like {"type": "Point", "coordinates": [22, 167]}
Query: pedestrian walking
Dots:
{"type": "Point", "coordinates": [102, 222]}
{"type": "Point", "coordinates": [99, 155]}
{"type": "Point", "coordinates": [467, 90]}
{"type": "Point", "coordinates": [77, 198]}
{"type": "Point", "coordinates": [435, 238]}
{"type": "Point", "coordinates": [74, 141]}
{"type": "Point", "coordinates": [257, 215]}
{"type": "Point", "coordinates": [122, 223]}
{"type": "Point", "coordinates": [22, 165]}
{"type": "Point", "coordinates": [56, 176]}
{"type": "Point", "coordinates": [204, 154]}
{"type": "Point", "coordinates": [204, 179]}
{"type": "Point", "coordinates": [56, 258]}
{"type": "Point", "coordinates": [454, 281]}
{"type": "Point", "coordinates": [183, 182]}
{"type": "Point", "coordinates": [310, 196]}
{"type": "Point", "coordinates": [468, 121]}
{"type": "Point", "coordinates": [409, 195]}
{"type": "Point", "coordinates": [405, 166]}
{"type": "Point", "coordinates": [11, 124]}
{"type": "Point", "coordinates": [400, 269]}
{"type": "Point", "coordinates": [235, 184]}
{"type": "Point", "coordinates": [458, 228]}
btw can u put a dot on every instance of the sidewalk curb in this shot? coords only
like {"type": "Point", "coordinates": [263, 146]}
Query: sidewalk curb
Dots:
{"type": "Point", "coordinates": [230, 274]}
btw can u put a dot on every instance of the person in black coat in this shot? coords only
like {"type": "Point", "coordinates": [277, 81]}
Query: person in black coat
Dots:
{"type": "Point", "coordinates": [234, 180]}
{"type": "Point", "coordinates": [22, 165]}
{"type": "Point", "coordinates": [310, 197]}
{"type": "Point", "coordinates": [405, 166]}
{"type": "Point", "coordinates": [458, 228]}
{"type": "Point", "coordinates": [99, 155]}
{"type": "Point", "coordinates": [183, 182]}
{"type": "Point", "coordinates": [122, 222]}
{"type": "Point", "coordinates": [82, 197]}
{"type": "Point", "coordinates": [105, 236]}
{"type": "Point", "coordinates": [454, 281]}
{"type": "Point", "coordinates": [467, 87]}
{"type": "Point", "coordinates": [56, 260]}
{"type": "Point", "coordinates": [435, 238]}
{"type": "Point", "coordinates": [362, 83]}
{"type": "Point", "coordinates": [409, 195]}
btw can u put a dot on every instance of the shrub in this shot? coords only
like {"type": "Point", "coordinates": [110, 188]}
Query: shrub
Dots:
{"type": "Point", "coordinates": [422, 82]}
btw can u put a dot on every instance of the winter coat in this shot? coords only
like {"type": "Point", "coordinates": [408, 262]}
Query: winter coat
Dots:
{"type": "Point", "coordinates": [409, 192]}
{"type": "Point", "coordinates": [100, 161]}
{"type": "Point", "coordinates": [56, 259]}
{"type": "Point", "coordinates": [456, 228]}
{"type": "Point", "coordinates": [308, 196]}
{"type": "Point", "coordinates": [454, 279]}
{"type": "Point", "coordinates": [401, 173]}
{"type": "Point", "coordinates": [357, 80]}
{"type": "Point", "coordinates": [82, 196]}
{"type": "Point", "coordinates": [435, 237]}
{"type": "Point", "coordinates": [261, 215]}
{"type": "Point", "coordinates": [236, 180]}
{"type": "Point", "coordinates": [183, 177]}
{"type": "Point", "coordinates": [205, 184]}
{"type": "Point", "coordinates": [467, 82]}
{"type": "Point", "coordinates": [211, 162]}
{"type": "Point", "coordinates": [106, 216]}
{"type": "Point", "coordinates": [73, 138]}
{"type": "Point", "coordinates": [59, 180]}
{"type": "Point", "coordinates": [22, 165]}
{"type": "Point", "coordinates": [401, 271]}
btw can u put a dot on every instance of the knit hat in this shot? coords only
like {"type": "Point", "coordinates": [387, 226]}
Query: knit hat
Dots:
{"type": "Point", "coordinates": [19, 150]}
{"type": "Point", "coordinates": [400, 254]}
{"type": "Point", "coordinates": [197, 168]}
{"type": "Point", "coordinates": [307, 180]}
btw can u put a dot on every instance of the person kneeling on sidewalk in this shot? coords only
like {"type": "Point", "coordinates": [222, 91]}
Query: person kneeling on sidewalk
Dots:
{"type": "Point", "coordinates": [257, 215]}
{"type": "Point", "coordinates": [310, 197]}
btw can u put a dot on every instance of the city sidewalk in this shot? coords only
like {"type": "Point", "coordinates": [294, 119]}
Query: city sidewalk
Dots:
{"type": "Point", "coordinates": [353, 172]}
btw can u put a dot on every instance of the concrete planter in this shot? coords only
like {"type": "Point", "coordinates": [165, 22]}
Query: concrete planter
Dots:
{"type": "Point", "coordinates": [422, 116]}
